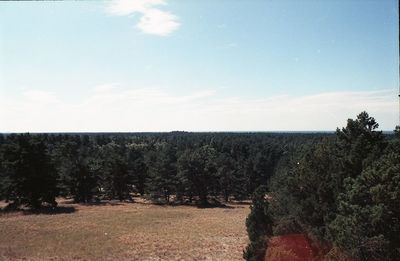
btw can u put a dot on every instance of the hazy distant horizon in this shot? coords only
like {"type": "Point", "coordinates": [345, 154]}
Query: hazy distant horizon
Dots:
{"type": "Point", "coordinates": [189, 132]}
{"type": "Point", "coordinates": [164, 65]}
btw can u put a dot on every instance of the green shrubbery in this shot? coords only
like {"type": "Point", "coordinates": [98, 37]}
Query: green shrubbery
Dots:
{"type": "Point", "coordinates": [343, 191]}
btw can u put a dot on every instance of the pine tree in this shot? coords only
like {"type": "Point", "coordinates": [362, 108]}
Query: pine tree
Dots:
{"type": "Point", "coordinates": [197, 171]}
{"type": "Point", "coordinates": [359, 144]}
{"type": "Point", "coordinates": [162, 180]}
{"type": "Point", "coordinates": [76, 165]}
{"type": "Point", "coordinates": [226, 174]}
{"type": "Point", "coordinates": [116, 181]}
{"type": "Point", "coordinates": [31, 175]}
{"type": "Point", "coordinates": [137, 166]}
{"type": "Point", "coordinates": [259, 226]}
{"type": "Point", "coordinates": [368, 220]}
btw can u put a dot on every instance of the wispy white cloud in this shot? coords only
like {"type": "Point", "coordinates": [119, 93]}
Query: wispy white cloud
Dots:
{"type": "Point", "coordinates": [111, 108]}
{"type": "Point", "coordinates": [158, 22]}
{"type": "Point", "coordinates": [152, 20]}
{"type": "Point", "coordinates": [41, 97]}
{"type": "Point", "coordinates": [105, 87]}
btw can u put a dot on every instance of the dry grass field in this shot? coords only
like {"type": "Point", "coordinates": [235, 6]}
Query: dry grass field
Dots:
{"type": "Point", "coordinates": [125, 231]}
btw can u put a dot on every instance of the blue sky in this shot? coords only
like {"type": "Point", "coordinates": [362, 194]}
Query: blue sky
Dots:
{"type": "Point", "coordinates": [162, 65]}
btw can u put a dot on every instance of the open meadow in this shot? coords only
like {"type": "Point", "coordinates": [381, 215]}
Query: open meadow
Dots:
{"type": "Point", "coordinates": [125, 231]}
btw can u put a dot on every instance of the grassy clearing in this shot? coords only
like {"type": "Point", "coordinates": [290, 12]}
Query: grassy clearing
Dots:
{"type": "Point", "coordinates": [126, 231]}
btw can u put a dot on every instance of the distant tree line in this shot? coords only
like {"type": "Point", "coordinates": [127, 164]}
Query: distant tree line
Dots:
{"type": "Point", "coordinates": [178, 167]}
{"type": "Point", "coordinates": [342, 192]}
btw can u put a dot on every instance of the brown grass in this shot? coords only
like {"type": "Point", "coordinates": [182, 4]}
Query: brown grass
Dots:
{"type": "Point", "coordinates": [126, 231]}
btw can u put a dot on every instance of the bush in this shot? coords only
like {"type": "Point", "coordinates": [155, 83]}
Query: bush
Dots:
{"type": "Point", "coordinates": [259, 226]}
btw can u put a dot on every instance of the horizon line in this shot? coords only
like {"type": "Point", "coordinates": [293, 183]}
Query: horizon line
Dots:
{"type": "Point", "coordinates": [176, 131]}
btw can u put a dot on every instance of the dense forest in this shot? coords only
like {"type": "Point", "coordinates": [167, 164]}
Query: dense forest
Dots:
{"type": "Point", "coordinates": [176, 167]}
{"type": "Point", "coordinates": [340, 189]}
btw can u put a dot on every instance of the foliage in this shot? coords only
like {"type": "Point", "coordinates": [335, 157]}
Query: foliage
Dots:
{"type": "Point", "coordinates": [343, 190]}
{"type": "Point", "coordinates": [312, 191]}
{"type": "Point", "coordinates": [368, 221]}
{"type": "Point", "coordinates": [28, 174]}
{"type": "Point", "coordinates": [162, 180]}
{"type": "Point", "coordinates": [76, 165]}
{"type": "Point", "coordinates": [177, 166]}
{"type": "Point", "coordinates": [197, 171]}
{"type": "Point", "coordinates": [259, 225]}
{"type": "Point", "coordinates": [116, 181]}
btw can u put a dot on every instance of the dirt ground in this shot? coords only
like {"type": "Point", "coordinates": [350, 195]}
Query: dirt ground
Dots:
{"type": "Point", "coordinates": [125, 231]}
{"type": "Point", "coordinates": [294, 247]}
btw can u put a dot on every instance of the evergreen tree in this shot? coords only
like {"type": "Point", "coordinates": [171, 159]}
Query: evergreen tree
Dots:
{"type": "Point", "coordinates": [116, 181]}
{"type": "Point", "coordinates": [227, 175]}
{"type": "Point", "coordinates": [76, 161]}
{"type": "Point", "coordinates": [397, 132]}
{"type": "Point", "coordinates": [368, 220]}
{"type": "Point", "coordinates": [197, 171]}
{"type": "Point", "coordinates": [163, 173]}
{"type": "Point", "coordinates": [359, 144]}
{"type": "Point", "coordinates": [31, 177]}
{"type": "Point", "coordinates": [313, 185]}
{"type": "Point", "coordinates": [4, 178]}
{"type": "Point", "coordinates": [137, 166]}
{"type": "Point", "coordinates": [259, 226]}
